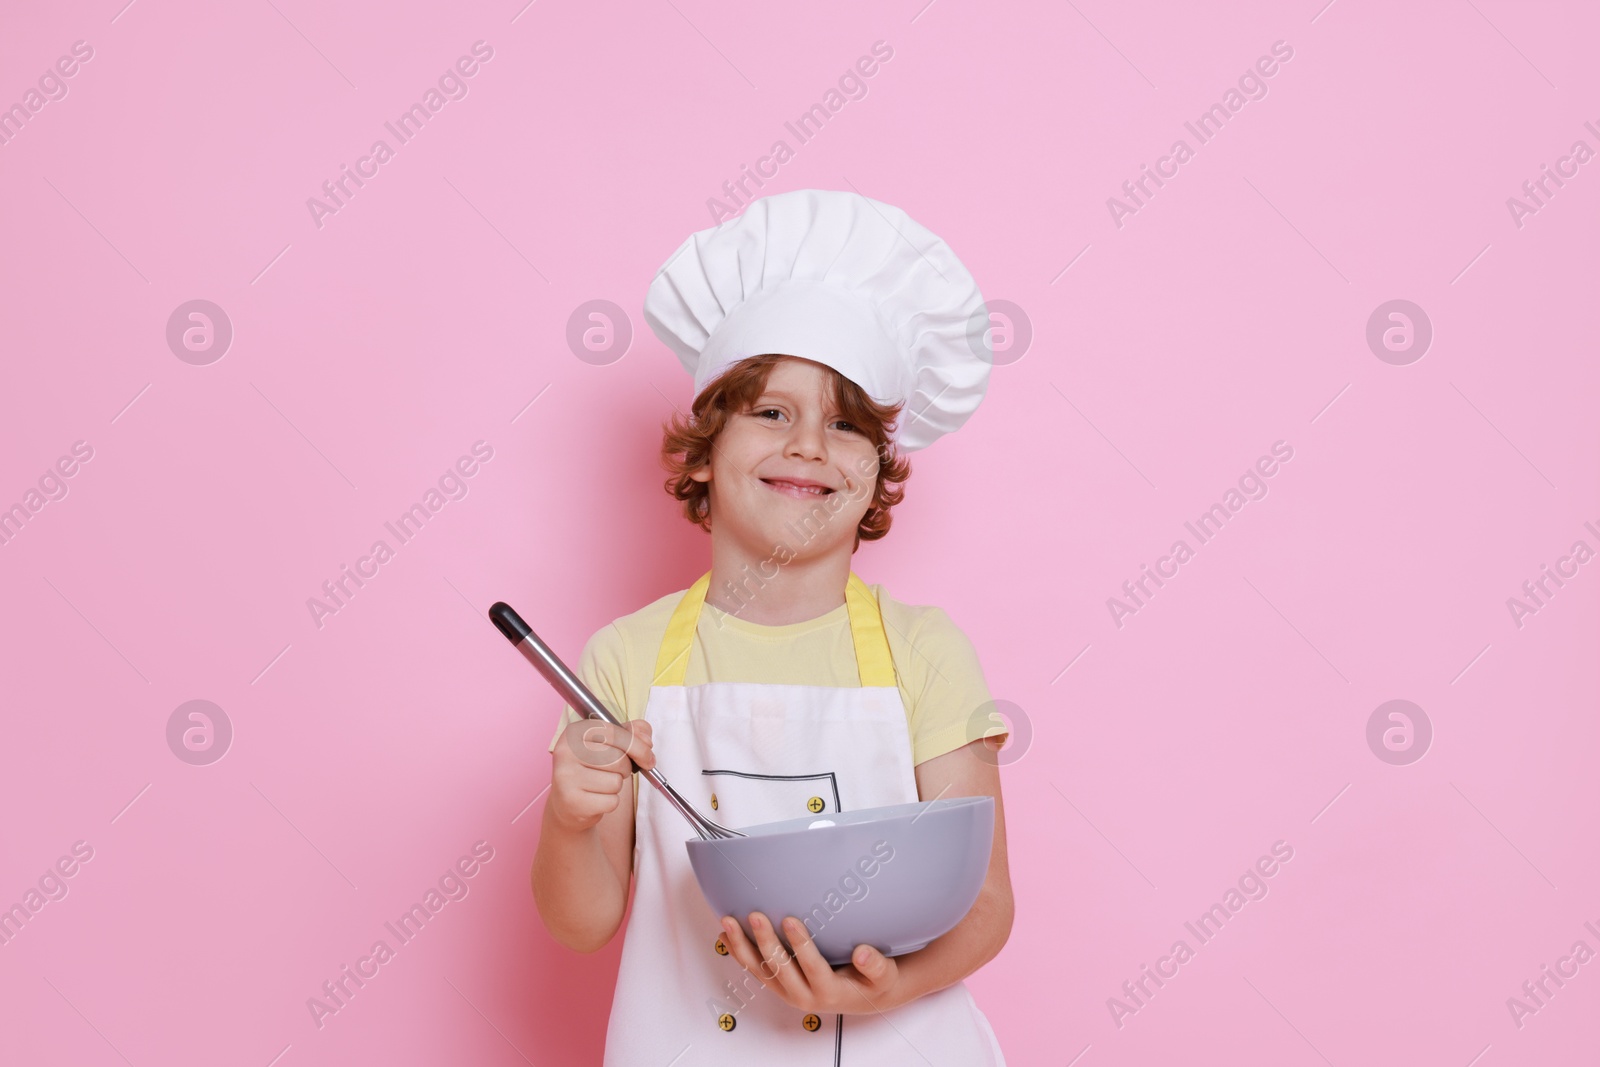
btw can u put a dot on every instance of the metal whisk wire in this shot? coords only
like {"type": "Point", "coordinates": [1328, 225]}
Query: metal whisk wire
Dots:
{"type": "Point", "coordinates": [509, 623]}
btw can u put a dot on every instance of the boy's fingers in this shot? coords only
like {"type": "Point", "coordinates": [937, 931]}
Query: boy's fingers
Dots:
{"type": "Point", "coordinates": [775, 962]}
{"type": "Point", "coordinates": [639, 747]}
{"type": "Point", "coordinates": [592, 805]}
{"type": "Point", "coordinates": [743, 951]}
{"type": "Point", "coordinates": [874, 966]}
{"type": "Point", "coordinates": [806, 953]}
{"type": "Point", "coordinates": [598, 780]}
{"type": "Point", "coordinates": [606, 745]}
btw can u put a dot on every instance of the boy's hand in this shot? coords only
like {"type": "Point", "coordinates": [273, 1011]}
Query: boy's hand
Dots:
{"type": "Point", "coordinates": [592, 770]}
{"type": "Point", "coordinates": [870, 982]}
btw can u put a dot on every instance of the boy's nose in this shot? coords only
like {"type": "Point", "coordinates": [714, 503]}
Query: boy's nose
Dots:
{"type": "Point", "coordinates": [806, 440]}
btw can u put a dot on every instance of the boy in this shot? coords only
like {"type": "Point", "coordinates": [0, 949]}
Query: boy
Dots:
{"type": "Point", "coordinates": [826, 333]}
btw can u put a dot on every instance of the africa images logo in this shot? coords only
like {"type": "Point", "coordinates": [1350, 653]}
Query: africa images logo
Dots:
{"type": "Point", "coordinates": [1252, 85]}
{"type": "Point", "coordinates": [452, 85]}
{"type": "Point", "coordinates": [453, 885]}
{"type": "Point", "coordinates": [453, 484]}
{"type": "Point", "coordinates": [1252, 885]}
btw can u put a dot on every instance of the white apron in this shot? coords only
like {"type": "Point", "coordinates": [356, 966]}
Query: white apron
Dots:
{"type": "Point", "coordinates": [748, 753]}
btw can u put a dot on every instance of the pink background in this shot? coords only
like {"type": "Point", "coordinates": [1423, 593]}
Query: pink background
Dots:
{"type": "Point", "coordinates": [368, 354]}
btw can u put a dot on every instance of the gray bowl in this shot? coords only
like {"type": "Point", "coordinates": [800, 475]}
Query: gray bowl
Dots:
{"type": "Point", "coordinates": [894, 878]}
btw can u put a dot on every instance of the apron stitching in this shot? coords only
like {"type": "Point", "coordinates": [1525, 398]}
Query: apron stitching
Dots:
{"type": "Point", "coordinates": [830, 775]}
{"type": "Point", "coordinates": [838, 1029]}
{"type": "Point", "coordinates": [683, 632]}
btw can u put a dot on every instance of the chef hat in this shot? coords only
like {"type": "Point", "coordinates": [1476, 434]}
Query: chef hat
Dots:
{"type": "Point", "coordinates": [834, 277]}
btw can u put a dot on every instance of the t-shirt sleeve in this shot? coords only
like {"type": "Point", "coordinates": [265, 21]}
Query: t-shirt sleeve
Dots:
{"type": "Point", "coordinates": [603, 668]}
{"type": "Point", "coordinates": [941, 681]}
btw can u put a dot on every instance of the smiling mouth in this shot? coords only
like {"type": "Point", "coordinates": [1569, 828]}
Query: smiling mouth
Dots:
{"type": "Point", "coordinates": [795, 489]}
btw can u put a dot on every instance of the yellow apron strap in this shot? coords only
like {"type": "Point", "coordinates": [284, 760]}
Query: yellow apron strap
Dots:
{"type": "Point", "coordinates": [672, 662]}
{"type": "Point", "coordinates": [873, 660]}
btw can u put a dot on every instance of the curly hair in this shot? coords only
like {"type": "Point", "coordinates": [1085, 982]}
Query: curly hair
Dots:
{"type": "Point", "coordinates": [687, 441]}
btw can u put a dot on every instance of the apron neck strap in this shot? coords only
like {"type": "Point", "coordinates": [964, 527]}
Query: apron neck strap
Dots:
{"type": "Point", "coordinates": [874, 663]}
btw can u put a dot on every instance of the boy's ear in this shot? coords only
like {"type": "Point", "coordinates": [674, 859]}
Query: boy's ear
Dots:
{"type": "Point", "coordinates": [701, 473]}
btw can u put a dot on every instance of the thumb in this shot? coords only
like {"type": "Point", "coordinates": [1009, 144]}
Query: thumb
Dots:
{"type": "Point", "coordinates": [874, 966]}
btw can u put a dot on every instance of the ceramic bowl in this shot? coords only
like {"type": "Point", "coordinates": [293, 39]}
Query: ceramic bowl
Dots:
{"type": "Point", "coordinates": [894, 878]}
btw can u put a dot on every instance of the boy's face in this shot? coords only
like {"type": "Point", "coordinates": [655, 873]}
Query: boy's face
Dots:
{"type": "Point", "coordinates": [791, 470]}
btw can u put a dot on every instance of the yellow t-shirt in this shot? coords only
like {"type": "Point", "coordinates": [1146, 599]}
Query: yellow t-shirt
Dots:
{"type": "Point", "coordinates": [936, 667]}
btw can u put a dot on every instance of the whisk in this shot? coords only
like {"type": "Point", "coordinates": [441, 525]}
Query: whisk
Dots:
{"type": "Point", "coordinates": [508, 622]}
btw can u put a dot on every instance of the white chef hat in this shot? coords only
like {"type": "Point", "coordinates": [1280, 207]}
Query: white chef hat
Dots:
{"type": "Point", "coordinates": [834, 277]}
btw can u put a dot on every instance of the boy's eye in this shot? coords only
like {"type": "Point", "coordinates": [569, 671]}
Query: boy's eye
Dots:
{"type": "Point", "coordinates": [771, 414]}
